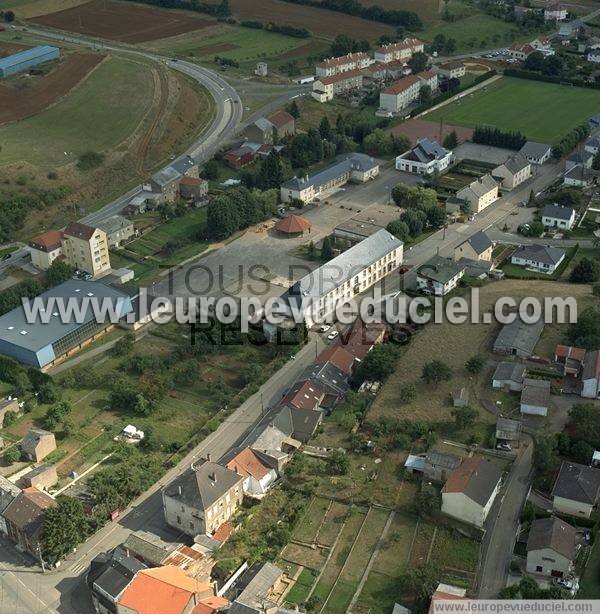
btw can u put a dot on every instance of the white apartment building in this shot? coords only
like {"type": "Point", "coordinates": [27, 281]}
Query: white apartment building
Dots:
{"type": "Point", "coordinates": [325, 88]}
{"type": "Point", "coordinates": [400, 94]}
{"type": "Point", "coordinates": [344, 63]}
{"type": "Point", "coordinates": [426, 158]}
{"type": "Point", "coordinates": [402, 50]}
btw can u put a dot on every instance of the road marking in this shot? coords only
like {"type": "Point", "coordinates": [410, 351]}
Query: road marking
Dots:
{"type": "Point", "coordinates": [44, 604]}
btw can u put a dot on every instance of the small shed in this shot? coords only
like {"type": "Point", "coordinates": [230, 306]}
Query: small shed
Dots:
{"type": "Point", "coordinates": [509, 376]}
{"type": "Point", "coordinates": [460, 397]}
{"type": "Point", "coordinates": [535, 397]}
{"type": "Point", "coordinates": [508, 431]}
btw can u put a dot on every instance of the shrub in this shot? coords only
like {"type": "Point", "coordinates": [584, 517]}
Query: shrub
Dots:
{"type": "Point", "coordinates": [90, 160]}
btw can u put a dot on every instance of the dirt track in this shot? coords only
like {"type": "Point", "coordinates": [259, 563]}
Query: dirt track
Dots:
{"type": "Point", "coordinates": [16, 104]}
{"type": "Point", "coordinates": [123, 21]}
{"type": "Point", "coordinates": [416, 129]}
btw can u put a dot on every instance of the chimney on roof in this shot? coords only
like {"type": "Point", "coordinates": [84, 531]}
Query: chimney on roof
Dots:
{"type": "Point", "coordinates": [209, 457]}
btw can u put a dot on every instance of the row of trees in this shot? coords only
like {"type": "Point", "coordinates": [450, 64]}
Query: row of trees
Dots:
{"type": "Point", "coordinates": [568, 143]}
{"type": "Point", "coordinates": [552, 65]}
{"type": "Point", "coordinates": [509, 139]}
{"type": "Point", "coordinates": [421, 211]}
{"type": "Point", "coordinates": [220, 9]}
{"type": "Point", "coordinates": [279, 29]}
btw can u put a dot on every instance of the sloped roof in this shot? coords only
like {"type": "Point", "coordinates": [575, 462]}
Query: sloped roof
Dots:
{"type": "Point", "coordinates": [292, 224]}
{"type": "Point", "coordinates": [577, 483]}
{"type": "Point", "coordinates": [591, 365]}
{"type": "Point", "coordinates": [516, 163]}
{"type": "Point", "coordinates": [531, 149]}
{"type": "Point", "coordinates": [47, 241]}
{"type": "Point", "coordinates": [545, 254]}
{"type": "Point", "coordinates": [401, 85]}
{"type": "Point", "coordinates": [26, 511]}
{"type": "Point", "coordinates": [536, 392]}
{"type": "Point", "coordinates": [342, 76]}
{"type": "Point", "coordinates": [247, 463]}
{"type": "Point", "coordinates": [552, 533]}
{"type": "Point", "coordinates": [337, 355]}
{"type": "Point", "coordinates": [440, 269]}
{"type": "Point", "coordinates": [510, 371]}
{"type": "Point", "coordinates": [558, 212]}
{"type": "Point", "coordinates": [280, 118]}
{"type": "Point", "coordinates": [79, 231]}
{"type": "Point", "coordinates": [113, 572]}
{"type": "Point", "coordinates": [256, 592]}
{"type": "Point", "coordinates": [304, 393]}
{"type": "Point", "coordinates": [407, 43]}
{"type": "Point", "coordinates": [33, 438]}
{"type": "Point", "coordinates": [343, 59]}
{"type": "Point", "coordinates": [519, 334]}
{"type": "Point", "coordinates": [476, 478]}
{"type": "Point", "coordinates": [480, 242]}
{"type": "Point", "coordinates": [507, 429]}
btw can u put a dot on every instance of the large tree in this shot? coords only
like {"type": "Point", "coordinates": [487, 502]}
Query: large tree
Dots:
{"type": "Point", "coordinates": [65, 526]}
{"type": "Point", "coordinates": [436, 371]}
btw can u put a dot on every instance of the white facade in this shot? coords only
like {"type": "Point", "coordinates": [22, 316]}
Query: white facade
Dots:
{"type": "Point", "coordinates": [426, 158]}
{"type": "Point", "coordinates": [513, 173]}
{"type": "Point", "coordinates": [548, 562]}
{"type": "Point", "coordinates": [533, 410]}
{"type": "Point", "coordinates": [452, 70]}
{"type": "Point", "coordinates": [437, 287]}
{"type": "Point", "coordinates": [43, 260]}
{"type": "Point", "coordinates": [460, 506]}
{"type": "Point", "coordinates": [325, 88]}
{"type": "Point", "coordinates": [555, 13]}
{"type": "Point", "coordinates": [400, 94]}
{"type": "Point", "coordinates": [591, 388]}
{"type": "Point", "coordinates": [532, 263]}
{"type": "Point", "coordinates": [402, 51]}
{"type": "Point", "coordinates": [555, 222]}
{"type": "Point", "coordinates": [258, 487]}
{"type": "Point", "coordinates": [573, 508]}
{"type": "Point", "coordinates": [335, 66]}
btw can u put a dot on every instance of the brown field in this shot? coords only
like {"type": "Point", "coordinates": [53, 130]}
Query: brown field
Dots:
{"type": "Point", "coordinates": [309, 49]}
{"type": "Point", "coordinates": [322, 23]}
{"type": "Point", "coordinates": [125, 22]}
{"type": "Point", "coordinates": [41, 92]}
{"type": "Point", "coordinates": [10, 48]}
{"type": "Point", "coordinates": [416, 129]}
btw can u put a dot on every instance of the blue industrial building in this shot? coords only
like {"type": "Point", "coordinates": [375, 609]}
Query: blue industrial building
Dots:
{"type": "Point", "coordinates": [23, 60]}
{"type": "Point", "coordinates": [42, 343]}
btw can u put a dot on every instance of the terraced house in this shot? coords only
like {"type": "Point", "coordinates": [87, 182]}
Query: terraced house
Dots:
{"type": "Point", "coordinates": [344, 63]}
{"type": "Point", "coordinates": [325, 88]}
{"type": "Point", "coordinates": [402, 50]}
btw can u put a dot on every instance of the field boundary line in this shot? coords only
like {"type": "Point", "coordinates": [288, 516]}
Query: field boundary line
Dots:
{"type": "Point", "coordinates": [431, 544]}
{"type": "Point", "coordinates": [341, 571]}
{"type": "Point", "coordinates": [372, 560]}
{"type": "Point", "coordinates": [412, 543]}
{"type": "Point", "coordinates": [316, 541]}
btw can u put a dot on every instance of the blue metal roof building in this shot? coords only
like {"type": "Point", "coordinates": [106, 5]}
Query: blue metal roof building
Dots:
{"type": "Point", "coordinates": [23, 60]}
{"type": "Point", "coordinates": [50, 336]}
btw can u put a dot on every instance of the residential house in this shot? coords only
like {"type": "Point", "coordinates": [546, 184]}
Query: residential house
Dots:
{"type": "Point", "coordinates": [579, 176]}
{"type": "Point", "coordinates": [480, 194]}
{"type": "Point", "coordinates": [402, 50]}
{"type": "Point", "coordinates": [193, 188]}
{"type": "Point", "coordinates": [238, 157]}
{"type": "Point", "coordinates": [37, 444]}
{"type": "Point", "coordinates": [46, 248]}
{"type": "Point", "coordinates": [166, 590]}
{"type": "Point", "coordinates": [470, 490]}
{"type": "Point", "coordinates": [593, 56]}
{"type": "Point", "coordinates": [452, 70]}
{"type": "Point", "coordinates": [555, 12]}
{"type": "Point", "coordinates": [518, 338]}
{"type": "Point", "coordinates": [299, 424]}
{"type": "Point", "coordinates": [202, 499]}
{"type": "Point", "coordinates": [476, 247]}
{"type": "Point", "coordinates": [42, 477]}
{"type": "Point", "coordinates": [273, 445]}
{"type": "Point", "coordinates": [509, 376]}
{"type": "Point", "coordinates": [306, 394]}
{"type": "Point", "coordinates": [326, 88]}
{"type": "Point", "coordinates": [376, 72]}
{"type": "Point", "coordinates": [108, 576]}
{"type": "Point", "coordinates": [439, 275]}
{"type": "Point", "coordinates": [576, 489]}
{"type": "Point", "coordinates": [278, 125]}
{"type": "Point", "coordinates": [117, 229]}
{"type": "Point", "coordinates": [513, 172]}
{"type": "Point", "coordinates": [258, 475]}
{"type": "Point", "coordinates": [542, 258]}
{"type": "Point", "coordinates": [446, 592]}
{"type": "Point", "coordinates": [571, 358]}
{"type": "Point", "coordinates": [430, 78]}
{"type": "Point", "coordinates": [257, 590]}
{"type": "Point", "coordinates": [592, 145]}
{"type": "Point", "coordinates": [8, 493]}
{"type": "Point", "coordinates": [149, 548]}
{"type": "Point", "coordinates": [186, 166]}
{"type": "Point", "coordinates": [535, 397]}
{"type": "Point", "coordinates": [342, 64]}
{"type": "Point", "coordinates": [536, 153]}
{"type": "Point", "coordinates": [426, 158]}
{"type": "Point", "coordinates": [339, 356]}
{"type": "Point", "coordinates": [551, 547]}
{"type": "Point", "coordinates": [356, 167]}
{"type": "Point", "coordinates": [327, 378]}
{"type": "Point", "coordinates": [579, 158]}
{"type": "Point", "coordinates": [400, 94]}
{"type": "Point", "coordinates": [508, 431]}
{"type": "Point", "coordinates": [557, 216]}
{"type": "Point", "coordinates": [590, 377]}
{"type": "Point", "coordinates": [8, 406]}
{"type": "Point", "coordinates": [520, 51]}
{"type": "Point", "coordinates": [164, 185]}
{"type": "Point", "coordinates": [24, 518]}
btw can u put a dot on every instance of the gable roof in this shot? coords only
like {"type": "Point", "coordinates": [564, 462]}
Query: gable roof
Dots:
{"type": "Point", "coordinates": [342, 76]}
{"type": "Point", "coordinates": [516, 163]}
{"type": "Point", "coordinates": [407, 43]}
{"type": "Point", "coordinates": [401, 85]}
{"type": "Point", "coordinates": [343, 59]}
{"type": "Point", "coordinates": [552, 533]}
{"type": "Point", "coordinates": [300, 423]}
{"type": "Point", "coordinates": [183, 165]}
{"type": "Point", "coordinates": [440, 269]}
{"type": "Point", "coordinates": [591, 365]}
{"type": "Point", "coordinates": [26, 511]}
{"type": "Point", "coordinates": [531, 149]}
{"type": "Point", "coordinates": [203, 485]}
{"type": "Point", "coordinates": [558, 212]}
{"type": "Point", "coordinates": [280, 118]}
{"type": "Point", "coordinates": [113, 572]}
{"type": "Point", "coordinates": [247, 463]}
{"type": "Point", "coordinates": [474, 477]}
{"type": "Point", "coordinates": [47, 241]}
{"type": "Point", "coordinates": [33, 438]}
{"type": "Point", "coordinates": [8, 493]}
{"type": "Point", "coordinates": [480, 242]}
{"type": "Point", "coordinates": [257, 582]}
{"type": "Point", "coordinates": [544, 254]}
{"type": "Point", "coordinates": [520, 335]}
{"type": "Point", "coordinates": [480, 187]}
{"type": "Point", "coordinates": [507, 429]}
{"type": "Point", "coordinates": [511, 371]}
{"type": "Point", "coordinates": [536, 392]}
{"type": "Point", "coordinates": [577, 483]}
{"type": "Point", "coordinates": [339, 356]}
{"type": "Point", "coordinates": [305, 394]}
{"type": "Point", "coordinates": [79, 231]}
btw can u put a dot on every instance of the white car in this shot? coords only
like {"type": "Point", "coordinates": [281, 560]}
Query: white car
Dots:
{"type": "Point", "coordinates": [324, 328]}
{"type": "Point", "coordinates": [332, 335]}
{"type": "Point", "coordinates": [504, 446]}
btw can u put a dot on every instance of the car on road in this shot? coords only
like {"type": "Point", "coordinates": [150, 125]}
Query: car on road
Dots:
{"type": "Point", "coordinates": [332, 335]}
{"type": "Point", "coordinates": [504, 446]}
{"type": "Point", "coordinates": [324, 328]}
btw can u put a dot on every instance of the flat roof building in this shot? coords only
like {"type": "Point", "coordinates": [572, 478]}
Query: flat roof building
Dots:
{"type": "Point", "coordinates": [50, 336]}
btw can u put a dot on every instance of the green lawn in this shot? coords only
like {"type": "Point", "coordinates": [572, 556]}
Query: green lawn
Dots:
{"type": "Point", "coordinates": [590, 582]}
{"type": "Point", "coordinates": [236, 43]}
{"type": "Point", "coordinates": [541, 111]}
{"type": "Point", "coordinates": [98, 116]}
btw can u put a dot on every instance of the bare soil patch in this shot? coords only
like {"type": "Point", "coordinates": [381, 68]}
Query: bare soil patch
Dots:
{"type": "Point", "coordinates": [308, 49]}
{"type": "Point", "coordinates": [125, 22]}
{"type": "Point", "coordinates": [40, 92]}
{"type": "Point", "coordinates": [416, 129]}
{"type": "Point", "coordinates": [321, 22]}
{"type": "Point", "coordinates": [7, 49]}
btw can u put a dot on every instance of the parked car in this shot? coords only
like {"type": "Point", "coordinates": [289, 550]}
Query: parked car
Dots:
{"type": "Point", "coordinates": [332, 335]}
{"type": "Point", "coordinates": [324, 328]}
{"type": "Point", "coordinates": [503, 446]}
{"type": "Point", "coordinates": [569, 584]}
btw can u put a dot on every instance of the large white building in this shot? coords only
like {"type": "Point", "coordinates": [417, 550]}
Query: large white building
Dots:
{"type": "Point", "coordinates": [426, 158]}
{"type": "Point", "coordinates": [319, 293]}
{"type": "Point", "coordinates": [470, 490]}
{"type": "Point", "coordinates": [557, 216]}
{"type": "Point", "coordinates": [325, 88]}
{"type": "Point", "coordinates": [403, 50]}
{"type": "Point", "coordinates": [400, 94]}
{"type": "Point", "coordinates": [344, 63]}
{"type": "Point", "coordinates": [349, 167]}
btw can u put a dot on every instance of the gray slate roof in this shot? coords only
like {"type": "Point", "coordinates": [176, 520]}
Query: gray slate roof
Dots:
{"type": "Point", "coordinates": [148, 547]}
{"type": "Point", "coordinates": [536, 392]}
{"type": "Point", "coordinates": [591, 365]}
{"type": "Point", "coordinates": [480, 187]}
{"type": "Point", "coordinates": [519, 335]}
{"type": "Point", "coordinates": [166, 176]}
{"type": "Point", "coordinates": [203, 485]}
{"type": "Point", "coordinates": [516, 163]}
{"type": "Point", "coordinates": [440, 269]}
{"type": "Point", "coordinates": [8, 493]}
{"type": "Point", "coordinates": [427, 150]}
{"type": "Point", "coordinates": [480, 242]}
{"type": "Point", "coordinates": [552, 533]}
{"type": "Point", "coordinates": [183, 165]}
{"type": "Point", "coordinates": [531, 149]}
{"type": "Point", "coordinates": [580, 157]}
{"type": "Point", "coordinates": [510, 371]}
{"type": "Point", "coordinates": [255, 595]}
{"type": "Point", "coordinates": [558, 212]}
{"type": "Point", "coordinates": [577, 483]}
{"type": "Point", "coordinates": [544, 254]}
{"type": "Point", "coordinates": [300, 423]}
{"type": "Point", "coordinates": [507, 429]}
{"type": "Point", "coordinates": [345, 163]}
{"type": "Point", "coordinates": [114, 223]}
{"type": "Point", "coordinates": [476, 478]}
{"type": "Point", "coordinates": [112, 573]}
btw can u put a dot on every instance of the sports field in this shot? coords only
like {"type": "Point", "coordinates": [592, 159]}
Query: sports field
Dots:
{"type": "Point", "coordinates": [542, 111]}
{"type": "Point", "coordinates": [100, 114]}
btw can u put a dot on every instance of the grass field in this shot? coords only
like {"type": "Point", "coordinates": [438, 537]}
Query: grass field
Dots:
{"type": "Point", "coordinates": [98, 116]}
{"type": "Point", "coordinates": [536, 109]}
